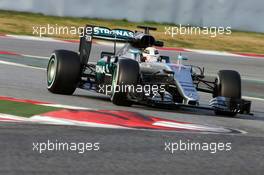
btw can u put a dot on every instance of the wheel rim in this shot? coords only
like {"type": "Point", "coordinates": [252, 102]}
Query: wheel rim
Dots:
{"type": "Point", "coordinates": [51, 73]}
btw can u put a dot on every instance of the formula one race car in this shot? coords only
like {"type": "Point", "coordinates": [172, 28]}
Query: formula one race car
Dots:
{"type": "Point", "coordinates": [137, 73]}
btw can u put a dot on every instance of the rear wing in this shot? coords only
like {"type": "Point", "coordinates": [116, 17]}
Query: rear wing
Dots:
{"type": "Point", "coordinates": [137, 39]}
{"type": "Point", "coordinates": [114, 34]}
{"type": "Point", "coordinates": [103, 33]}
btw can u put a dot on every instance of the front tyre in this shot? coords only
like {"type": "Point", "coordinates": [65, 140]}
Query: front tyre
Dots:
{"type": "Point", "coordinates": [126, 73]}
{"type": "Point", "coordinates": [228, 85]}
{"type": "Point", "coordinates": [63, 72]}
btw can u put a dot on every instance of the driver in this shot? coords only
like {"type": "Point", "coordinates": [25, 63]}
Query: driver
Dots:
{"type": "Point", "coordinates": [150, 54]}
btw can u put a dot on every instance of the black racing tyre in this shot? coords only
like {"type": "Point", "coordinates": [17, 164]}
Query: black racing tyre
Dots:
{"type": "Point", "coordinates": [63, 72]}
{"type": "Point", "coordinates": [126, 73]}
{"type": "Point", "coordinates": [228, 85]}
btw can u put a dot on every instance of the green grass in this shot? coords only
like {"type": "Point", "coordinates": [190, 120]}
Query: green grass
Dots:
{"type": "Point", "coordinates": [23, 109]}
{"type": "Point", "coordinates": [21, 23]}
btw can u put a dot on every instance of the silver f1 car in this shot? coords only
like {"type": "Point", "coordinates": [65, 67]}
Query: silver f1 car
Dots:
{"type": "Point", "coordinates": [134, 75]}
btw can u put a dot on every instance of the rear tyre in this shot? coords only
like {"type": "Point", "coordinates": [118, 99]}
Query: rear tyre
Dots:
{"type": "Point", "coordinates": [228, 85]}
{"type": "Point", "coordinates": [63, 72]}
{"type": "Point", "coordinates": [126, 73]}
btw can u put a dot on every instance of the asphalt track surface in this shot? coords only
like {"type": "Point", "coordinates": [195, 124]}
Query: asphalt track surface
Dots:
{"type": "Point", "coordinates": [127, 151]}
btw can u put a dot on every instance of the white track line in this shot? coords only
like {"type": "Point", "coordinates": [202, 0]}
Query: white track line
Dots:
{"type": "Point", "coordinates": [67, 106]}
{"type": "Point", "coordinates": [209, 52]}
{"type": "Point", "coordinates": [20, 65]}
{"type": "Point", "coordinates": [26, 66]}
{"type": "Point", "coordinates": [13, 117]}
{"type": "Point", "coordinates": [190, 126]}
{"type": "Point", "coordinates": [34, 56]}
{"type": "Point", "coordinates": [253, 98]}
{"type": "Point", "coordinates": [35, 38]}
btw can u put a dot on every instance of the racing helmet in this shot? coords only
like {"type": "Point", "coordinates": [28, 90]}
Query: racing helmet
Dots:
{"type": "Point", "coordinates": [151, 54]}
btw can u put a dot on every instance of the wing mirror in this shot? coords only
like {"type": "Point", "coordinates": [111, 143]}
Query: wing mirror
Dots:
{"type": "Point", "coordinates": [180, 57]}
